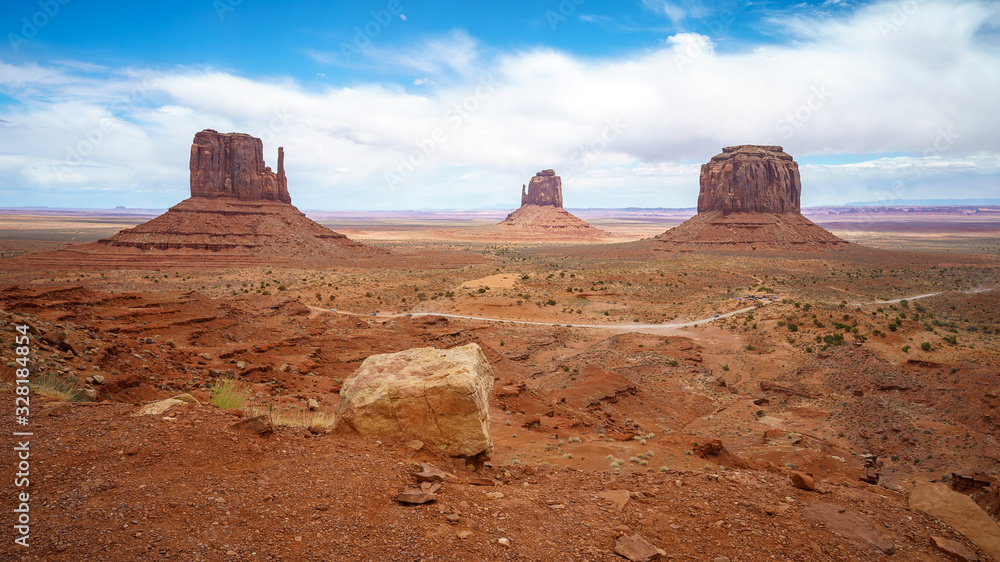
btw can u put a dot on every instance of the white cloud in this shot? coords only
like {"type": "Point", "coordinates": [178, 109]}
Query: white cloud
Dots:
{"type": "Point", "coordinates": [929, 86]}
{"type": "Point", "coordinates": [666, 8]}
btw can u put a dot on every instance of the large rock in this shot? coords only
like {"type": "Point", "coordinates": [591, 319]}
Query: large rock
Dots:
{"type": "Point", "coordinates": [543, 189]}
{"type": "Point", "coordinates": [232, 165]}
{"type": "Point", "coordinates": [750, 178]}
{"type": "Point", "coordinates": [440, 397]}
{"type": "Point", "coordinates": [960, 512]}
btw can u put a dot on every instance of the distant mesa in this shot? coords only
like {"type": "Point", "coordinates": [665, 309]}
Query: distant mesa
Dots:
{"type": "Point", "coordinates": [749, 200]}
{"type": "Point", "coordinates": [239, 214]}
{"type": "Point", "coordinates": [542, 213]}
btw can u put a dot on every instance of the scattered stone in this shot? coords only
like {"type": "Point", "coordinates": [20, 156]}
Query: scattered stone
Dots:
{"type": "Point", "coordinates": [621, 529]}
{"type": "Point", "coordinates": [241, 365]}
{"type": "Point", "coordinates": [710, 448]}
{"type": "Point", "coordinates": [440, 397]}
{"type": "Point", "coordinates": [430, 473]}
{"type": "Point", "coordinates": [312, 404]}
{"type": "Point", "coordinates": [618, 497]}
{"type": "Point", "coordinates": [206, 356]}
{"type": "Point", "coordinates": [430, 487]}
{"type": "Point", "coordinates": [637, 549]}
{"type": "Point", "coordinates": [55, 409]}
{"type": "Point", "coordinates": [89, 393]}
{"type": "Point", "coordinates": [159, 408]}
{"type": "Point", "coordinates": [98, 379]}
{"type": "Point", "coordinates": [776, 510]}
{"type": "Point", "coordinates": [462, 535]}
{"type": "Point", "coordinates": [258, 425]}
{"type": "Point", "coordinates": [954, 549]}
{"type": "Point", "coordinates": [186, 398]}
{"type": "Point", "coordinates": [503, 541]}
{"type": "Point", "coordinates": [476, 481]}
{"type": "Point", "coordinates": [21, 320]}
{"type": "Point", "coordinates": [132, 451]}
{"type": "Point", "coordinates": [557, 506]}
{"type": "Point", "coordinates": [721, 559]}
{"type": "Point", "coordinates": [415, 444]}
{"type": "Point", "coordinates": [960, 512]}
{"type": "Point", "coordinates": [848, 524]}
{"type": "Point", "coordinates": [495, 495]}
{"type": "Point", "coordinates": [233, 412]}
{"type": "Point", "coordinates": [453, 518]}
{"type": "Point", "coordinates": [803, 481]}
{"type": "Point", "coordinates": [415, 497]}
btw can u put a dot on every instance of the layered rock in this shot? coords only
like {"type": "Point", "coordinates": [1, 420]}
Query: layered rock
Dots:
{"type": "Point", "coordinates": [541, 213]}
{"type": "Point", "coordinates": [232, 165]}
{"type": "Point", "coordinates": [750, 179]}
{"type": "Point", "coordinates": [239, 214]}
{"type": "Point", "coordinates": [749, 200]}
{"type": "Point", "coordinates": [545, 188]}
{"type": "Point", "coordinates": [440, 397]}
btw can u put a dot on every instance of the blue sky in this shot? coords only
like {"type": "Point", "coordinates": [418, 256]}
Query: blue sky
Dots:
{"type": "Point", "coordinates": [399, 104]}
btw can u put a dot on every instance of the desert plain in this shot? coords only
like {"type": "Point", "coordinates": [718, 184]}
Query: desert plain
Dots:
{"type": "Point", "coordinates": [637, 391]}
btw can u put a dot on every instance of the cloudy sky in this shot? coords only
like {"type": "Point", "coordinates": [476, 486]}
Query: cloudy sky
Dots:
{"type": "Point", "coordinates": [413, 104]}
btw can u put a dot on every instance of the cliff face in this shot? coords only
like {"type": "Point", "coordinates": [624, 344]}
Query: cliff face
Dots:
{"type": "Point", "coordinates": [545, 188]}
{"type": "Point", "coordinates": [750, 179]}
{"type": "Point", "coordinates": [232, 165]}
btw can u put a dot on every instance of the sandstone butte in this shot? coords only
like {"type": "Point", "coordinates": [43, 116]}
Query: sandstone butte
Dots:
{"type": "Point", "coordinates": [749, 199]}
{"type": "Point", "coordinates": [542, 213]}
{"type": "Point", "coordinates": [239, 214]}
{"type": "Point", "coordinates": [440, 397]}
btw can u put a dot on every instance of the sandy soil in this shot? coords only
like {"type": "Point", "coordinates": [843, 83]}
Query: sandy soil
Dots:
{"type": "Point", "coordinates": [613, 372]}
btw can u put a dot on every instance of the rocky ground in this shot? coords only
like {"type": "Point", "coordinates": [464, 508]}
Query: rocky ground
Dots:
{"type": "Point", "coordinates": [702, 426]}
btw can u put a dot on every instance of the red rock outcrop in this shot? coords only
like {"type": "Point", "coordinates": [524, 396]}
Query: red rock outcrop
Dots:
{"type": "Point", "coordinates": [541, 215]}
{"type": "Point", "coordinates": [232, 165]}
{"type": "Point", "coordinates": [545, 188]}
{"type": "Point", "coordinates": [239, 214]}
{"type": "Point", "coordinates": [749, 200]}
{"type": "Point", "coordinates": [750, 179]}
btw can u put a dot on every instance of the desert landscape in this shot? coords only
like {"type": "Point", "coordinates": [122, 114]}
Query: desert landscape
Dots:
{"type": "Point", "coordinates": [205, 383]}
{"type": "Point", "coordinates": [575, 280]}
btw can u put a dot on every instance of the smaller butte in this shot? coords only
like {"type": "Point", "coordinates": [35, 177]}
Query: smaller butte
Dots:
{"type": "Point", "coordinates": [542, 216]}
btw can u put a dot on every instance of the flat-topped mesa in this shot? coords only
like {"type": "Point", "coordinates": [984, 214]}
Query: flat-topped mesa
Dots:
{"type": "Point", "coordinates": [545, 188]}
{"type": "Point", "coordinates": [232, 165]}
{"type": "Point", "coordinates": [750, 179]}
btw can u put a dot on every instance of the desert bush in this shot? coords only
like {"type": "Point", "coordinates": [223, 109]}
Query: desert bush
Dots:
{"type": "Point", "coordinates": [926, 346]}
{"type": "Point", "coordinates": [53, 386]}
{"type": "Point", "coordinates": [229, 393]}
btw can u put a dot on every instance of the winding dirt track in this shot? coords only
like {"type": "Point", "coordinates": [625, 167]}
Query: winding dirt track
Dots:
{"type": "Point", "coordinates": [625, 327]}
